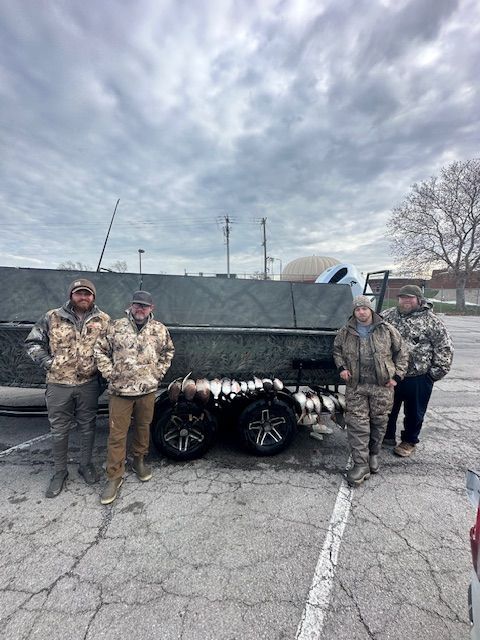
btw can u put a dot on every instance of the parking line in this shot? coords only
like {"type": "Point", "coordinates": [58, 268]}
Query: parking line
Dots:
{"type": "Point", "coordinates": [24, 445]}
{"type": "Point", "coordinates": [313, 617]}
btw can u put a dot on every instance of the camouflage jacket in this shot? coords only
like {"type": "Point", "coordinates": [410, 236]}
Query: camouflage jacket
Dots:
{"type": "Point", "coordinates": [133, 361]}
{"type": "Point", "coordinates": [390, 354]}
{"type": "Point", "coordinates": [430, 346]}
{"type": "Point", "coordinates": [63, 345]}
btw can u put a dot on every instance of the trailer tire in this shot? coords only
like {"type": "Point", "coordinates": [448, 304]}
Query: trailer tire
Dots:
{"type": "Point", "coordinates": [267, 426]}
{"type": "Point", "coordinates": [184, 432]}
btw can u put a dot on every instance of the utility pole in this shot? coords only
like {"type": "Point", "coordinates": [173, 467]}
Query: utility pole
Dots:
{"type": "Point", "coordinates": [226, 233]}
{"type": "Point", "coordinates": [140, 251]}
{"type": "Point", "coordinates": [108, 233]}
{"type": "Point", "coordinates": [263, 222]}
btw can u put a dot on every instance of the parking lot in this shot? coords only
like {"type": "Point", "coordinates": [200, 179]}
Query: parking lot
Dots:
{"type": "Point", "coordinates": [236, 547]}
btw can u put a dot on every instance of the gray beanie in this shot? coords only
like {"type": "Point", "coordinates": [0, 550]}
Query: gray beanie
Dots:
{"type": "Point", "coordinates": [362, 301]}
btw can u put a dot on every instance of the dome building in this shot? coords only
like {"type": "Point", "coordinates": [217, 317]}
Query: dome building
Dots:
{"type": "Point", "coordinates": [307, 269]}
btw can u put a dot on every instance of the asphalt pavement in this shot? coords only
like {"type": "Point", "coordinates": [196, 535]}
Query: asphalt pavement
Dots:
{"type": "Point", "coordinates": [236, 547]}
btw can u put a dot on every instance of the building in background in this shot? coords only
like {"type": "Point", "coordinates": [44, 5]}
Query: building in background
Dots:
{"type": "Point", "coordinates": [307, 269]}
{"type": "Point", "coordinates": [443, 281]}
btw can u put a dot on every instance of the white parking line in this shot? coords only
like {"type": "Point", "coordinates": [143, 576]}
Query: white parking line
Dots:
{"type": "Point", "coordinates": [24, 445]}
{"type": "Point", "coordinates": [313, 617]}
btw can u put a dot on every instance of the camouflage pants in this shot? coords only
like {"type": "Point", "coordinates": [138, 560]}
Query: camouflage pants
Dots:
{"type": "Point", "coordinates": [366, 417]}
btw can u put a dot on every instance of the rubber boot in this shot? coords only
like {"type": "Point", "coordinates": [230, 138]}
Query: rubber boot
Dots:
{"type": "Point", "coordinates": [110, 491]}
{"type": "Point", "coordinates": [357, 474]}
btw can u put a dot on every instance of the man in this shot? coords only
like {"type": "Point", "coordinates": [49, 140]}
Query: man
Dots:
{"type": "Point", "coordinates": [62, 343]}
{"type": "Point", "coordinates": [133, 355]}
{"type": "Point", "coordinates": [430, 358]}
{"type": "Point", "coordinates": [371, 358]}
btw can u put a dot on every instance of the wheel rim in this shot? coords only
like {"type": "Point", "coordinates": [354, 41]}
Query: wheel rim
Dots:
{"type": "Point", "coordinates": [185, 432]}
{"type": "Point", "coordinates": [266, 431]}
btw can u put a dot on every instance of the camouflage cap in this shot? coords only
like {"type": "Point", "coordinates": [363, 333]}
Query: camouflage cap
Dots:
{"type": "Point", "coordinates": [411, 290]}
{"type": "Point", "coordinates": [142, 297]}
{"type": "Point", "coordinates": [362, 301]}
{"type": "Point", "coordinates": [81, 283]}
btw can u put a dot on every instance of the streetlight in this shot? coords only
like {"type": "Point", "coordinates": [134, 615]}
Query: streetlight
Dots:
{"type": "Point", "coordinates": [140, 251]}
{"type": "Point", "coordinates": [271, 259]}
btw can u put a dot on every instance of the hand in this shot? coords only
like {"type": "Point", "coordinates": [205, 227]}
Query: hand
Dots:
{"type": "Point", "coordinates": [345, 375]}
{"type": "Point", "coordinates": [391, 384]}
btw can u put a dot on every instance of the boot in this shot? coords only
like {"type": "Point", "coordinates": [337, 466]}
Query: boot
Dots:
{"type": "Point", "coordinates": [143, 471]}
{"type": "Point", "coordinates": [57, 483]}
{"type": "Point", "coordinates": [389, 442]}
{"type": "Point", "coordinates": [111, 490]}
{"type": "Point", "coordinates": [404, 449]}
{"type": "Point", "coordinates": [374, 463]}
{"type": "Point", "coordinates": [357, 474]}
{"type": "Point", "coordinates": [89, 473]}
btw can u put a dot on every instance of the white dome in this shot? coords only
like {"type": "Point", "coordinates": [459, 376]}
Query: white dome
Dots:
{"type": "Point", "coordinates": [307, 269]}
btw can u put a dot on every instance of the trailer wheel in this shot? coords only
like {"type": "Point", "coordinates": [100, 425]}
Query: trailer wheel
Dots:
{"type": "Point", "coordinates": [184, 432]}
{"type": "Point", "coordinates": [267, 426]}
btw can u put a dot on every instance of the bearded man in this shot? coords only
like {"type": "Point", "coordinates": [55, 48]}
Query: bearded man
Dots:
{"type": "Point", "coordinates": [430, 359]}
{"type": "Point", "coordinates": [62, 342]}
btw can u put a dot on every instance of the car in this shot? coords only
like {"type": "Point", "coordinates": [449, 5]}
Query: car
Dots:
{"type": "Point", "coordinates": [473, 492]}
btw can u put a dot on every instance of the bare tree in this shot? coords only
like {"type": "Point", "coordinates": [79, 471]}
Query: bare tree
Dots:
{"type": "Point", "coordinates": [258, 275]}
{"type": "Point", "coordinates": [438, 224]}
{"type": "Point", "coordinates": [120, 266]}
{"type": "Point", "coordinates": [69, 265]}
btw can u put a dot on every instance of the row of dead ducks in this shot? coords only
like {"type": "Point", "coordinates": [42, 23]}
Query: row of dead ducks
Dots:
{"type": "Point", "coordinates": [226, 389]}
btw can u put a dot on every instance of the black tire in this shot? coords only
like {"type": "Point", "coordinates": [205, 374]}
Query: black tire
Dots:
{"type": "Point", "coordinates": [183, 432]}
{"type": "Point", "coordinates": [267, 426]}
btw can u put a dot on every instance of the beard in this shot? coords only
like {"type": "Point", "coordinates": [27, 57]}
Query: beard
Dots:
{"type": "Point", "coordinates": [82, 307]}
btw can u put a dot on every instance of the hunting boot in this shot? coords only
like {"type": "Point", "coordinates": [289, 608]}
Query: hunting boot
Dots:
{"type": "Point", "coordinates": [143, 471]}
{"type": "Point", "coordinates": [374, 463]}
{"type": "Point", "coordinates": [357, 474]}
{"type": "Point", "coordinates": [404, 449]}
{"type": "Point", "coordinates": [111, 490]}
{"type": "Point", "coordinates": [57, 483]}
{"type": "Point", "coordinates": [89, 473]}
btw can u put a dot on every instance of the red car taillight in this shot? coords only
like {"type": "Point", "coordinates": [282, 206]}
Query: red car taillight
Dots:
{"type": "Point", "coordinates": [475, 542]}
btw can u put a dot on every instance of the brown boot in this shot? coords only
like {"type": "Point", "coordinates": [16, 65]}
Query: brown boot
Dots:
{"type": "Point", "coordinates": [404, 449]}
{"type": "Point", "coordinates": [143, 471]}
{"type": "Point", "coordinates": [111, 490]}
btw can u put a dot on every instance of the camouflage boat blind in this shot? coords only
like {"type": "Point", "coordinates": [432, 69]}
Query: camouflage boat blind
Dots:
{"type": "Point", "coordinates": [220, 327]}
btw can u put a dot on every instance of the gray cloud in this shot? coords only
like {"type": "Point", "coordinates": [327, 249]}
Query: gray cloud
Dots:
{"type": "Point", "coordinates": [317, 118]}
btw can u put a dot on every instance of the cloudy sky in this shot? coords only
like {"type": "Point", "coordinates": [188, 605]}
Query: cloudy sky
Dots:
{"type": "Point", "coordinates": [317, 115]}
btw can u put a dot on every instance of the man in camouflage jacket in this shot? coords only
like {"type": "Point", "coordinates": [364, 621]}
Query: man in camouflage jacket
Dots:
{"type": "Point", "coordinates": [372, 359]}
{"type": "Point", "coordinates": [430, 359]}
{"type": "Point", "coordinates": [133, 355]}
{"type": "Point", "coordinates": [62, 343]}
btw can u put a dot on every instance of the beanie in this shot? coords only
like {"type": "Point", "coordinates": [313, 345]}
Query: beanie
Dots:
{"type": "Point", "coordinates": [362, 301]}
{"type": "Point", "coordinates": [411, 290]}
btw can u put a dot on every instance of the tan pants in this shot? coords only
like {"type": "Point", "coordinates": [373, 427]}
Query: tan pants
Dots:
{"type": "Point", "coordinates": [121, 410]}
